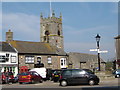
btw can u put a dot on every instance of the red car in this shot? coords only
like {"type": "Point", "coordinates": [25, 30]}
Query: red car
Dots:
{"type": "Point", "coordinates": [29, 77]}
{"type": "Point", "coordinates": [11, 78]}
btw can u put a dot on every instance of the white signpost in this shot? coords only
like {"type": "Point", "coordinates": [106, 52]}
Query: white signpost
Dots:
{"type": "Point", "coordinates": [102, 51]}
{"type": "Point", "coordinates": [93, 49]}
{"type": "Point", "coordinates": [105, 51]}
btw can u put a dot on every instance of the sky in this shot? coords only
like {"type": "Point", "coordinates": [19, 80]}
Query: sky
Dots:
{"type": "Point", "coordinates": [82, 21]}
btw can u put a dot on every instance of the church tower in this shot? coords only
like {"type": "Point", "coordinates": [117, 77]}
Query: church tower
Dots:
{"type": "Point", "coordinates": [51, 30]}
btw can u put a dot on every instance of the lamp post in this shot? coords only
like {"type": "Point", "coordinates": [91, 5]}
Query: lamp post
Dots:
{"type": "Point", "coordinates": [98, 40]}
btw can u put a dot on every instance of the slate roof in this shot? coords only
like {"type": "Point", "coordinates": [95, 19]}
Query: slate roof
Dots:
{"type": "Point", "coordinates": [36, 48]}
{"type": "Point", "coordinates": [82, 57]}
{"type": "Point", "coordinates": [6, 47]}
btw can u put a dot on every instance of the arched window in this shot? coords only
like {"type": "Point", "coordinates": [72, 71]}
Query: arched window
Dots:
{"type": "Point", "coordinates": [58, 32]}
{"type": "Point", "coordinates": [44, 38]}
{"type": "Point", "coordinates": [47, 33]}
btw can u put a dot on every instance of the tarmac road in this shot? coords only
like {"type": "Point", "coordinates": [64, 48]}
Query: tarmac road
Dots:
{"type": "Point", "coordinates": [112, 83]}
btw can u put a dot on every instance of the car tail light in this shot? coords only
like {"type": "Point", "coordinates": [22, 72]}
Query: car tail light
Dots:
{"type": "Point", "coordinates": [29, 76]}
{"type": "Point", "coordinates": [52, 74]}
{"type": "Point", "coordinates": [60, 77]}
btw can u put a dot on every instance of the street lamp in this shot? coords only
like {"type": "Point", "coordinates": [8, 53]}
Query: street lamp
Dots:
{"type": "Point", "coordinates": [98, 40]}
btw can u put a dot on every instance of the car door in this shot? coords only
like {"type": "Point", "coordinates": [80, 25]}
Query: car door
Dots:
{"type": "Point", "coordinates": [67, 75]}
{"type": "Point", "coordinates": [76, 76]}
{"type": "Point", "coordinates": [83, 76]}
{"type": "Point", "coordinates": [36, 76]}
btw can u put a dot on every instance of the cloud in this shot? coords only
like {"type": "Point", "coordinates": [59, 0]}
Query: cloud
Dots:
{"type": "Point", "coordinates": [115, 8]}
{"type": "Point", "coordinates": [84, 30]}
{"type": "Point", "coordinates": [24, 26]}
{"type": "Point", "coordinates": [60, 0]}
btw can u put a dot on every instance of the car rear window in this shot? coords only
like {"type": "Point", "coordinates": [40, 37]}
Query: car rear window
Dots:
{"type": "Point", "coordinates": [118, 70]}
{"type": "Point", "coordinates": [57, 72]}
{"type": "Point", "coordinates": [25, 73]}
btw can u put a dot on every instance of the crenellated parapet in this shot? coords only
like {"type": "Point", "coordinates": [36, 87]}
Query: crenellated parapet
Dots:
{"type": "Point", "coordinates": [51, 30]}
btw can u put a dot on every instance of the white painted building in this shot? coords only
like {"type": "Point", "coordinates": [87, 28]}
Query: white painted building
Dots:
{"type": "Point", "coordinates": [8, 58]}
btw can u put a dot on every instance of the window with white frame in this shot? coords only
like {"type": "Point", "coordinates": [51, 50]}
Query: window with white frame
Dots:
{"type": "Point", "coordinates": [63, 62]}
{"type": "Point", "coordinates": [29, 59]}
{"type": "Point", "coordinates": [13, 59]}
{"type": "Point", "coordinates": [49, 60]}
{"type": "Point", "coordinates": [2, 58]}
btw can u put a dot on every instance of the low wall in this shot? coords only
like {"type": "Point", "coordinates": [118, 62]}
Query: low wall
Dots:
{"type": "Point", "coordinates": [104, 75]}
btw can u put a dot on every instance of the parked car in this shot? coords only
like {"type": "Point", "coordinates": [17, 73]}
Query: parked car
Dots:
{"type": "Point", "coordinates": [3, 78]}
{"type": "Point", "coordinates": [41, 71]}
{"type": "Point", "coordinates": [16, 78]}
{"type": "Point", "coordinates": [49, 74]}
{"type": "Point", "coordinates": [10, 75]}
{"type": "Point", "coordinates": [29, 77]}
{"type": "Point", "coordinates": [56, 75]}
{"type": "Point", "coordinates": [117, 73]}
{"type": "Point", "coordinates": [77, 76]}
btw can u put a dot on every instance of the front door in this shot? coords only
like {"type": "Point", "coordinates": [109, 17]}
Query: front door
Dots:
{"type": "Point", "coordinates": [63, 62]}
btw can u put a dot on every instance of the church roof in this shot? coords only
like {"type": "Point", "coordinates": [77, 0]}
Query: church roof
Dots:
{"type": "Point", "coordinates": [82, 57]}
{"type": "Point", "coordinates": [6, 47]}
{"type": "Point", "coordinates": [36, 48]}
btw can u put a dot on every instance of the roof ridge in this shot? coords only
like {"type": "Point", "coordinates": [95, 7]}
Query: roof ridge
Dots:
{"type": "Point", "coordinates": [82, 53]}
{"type": "Point", "coordinates": [27, 41]}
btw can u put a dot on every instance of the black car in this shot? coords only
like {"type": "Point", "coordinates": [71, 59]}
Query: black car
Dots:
{"type": "Point", "coordinates": [77, 76]}
{"type": "Point", "coordinates": [117, 73]}
{"type": "Point", "coordinates": [56, 75]}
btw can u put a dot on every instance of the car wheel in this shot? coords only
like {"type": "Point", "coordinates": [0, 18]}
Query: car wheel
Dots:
{"type": "Point", "coordinates": [55, 80]}
{"type": "Point", "coordinates": [41, 80]}
{"type": "Point", "coordinates": [91, 82]}
{"type": "Point", "coordinates": [117, 76]}
{"type": "Point", "coordinates": [32, 81]}
{"type": "Point", "coordinates": [20, 82]}
{"type": "Point", "coordinates": [63, 83]}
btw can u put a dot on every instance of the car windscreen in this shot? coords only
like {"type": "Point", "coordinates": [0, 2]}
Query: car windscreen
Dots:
{"type": "Point", "coordinates": [88, 71]}
{"type": "Point", "coordinates": [57, 72]}
{"type": "Point", "coordinates": [10, 73]}
{"type": "Point", "coordinates": [118, 71]}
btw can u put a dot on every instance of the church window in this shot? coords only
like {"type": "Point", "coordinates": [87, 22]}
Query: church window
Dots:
{"type": "Point", "coordinates": [44, 38]}
{"type": "Point", "coordinates": [49, 60]}
{"type": "Point", "coordinates": [47, 33]}
{"type": "Point", "coordinates": [58, 32]}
